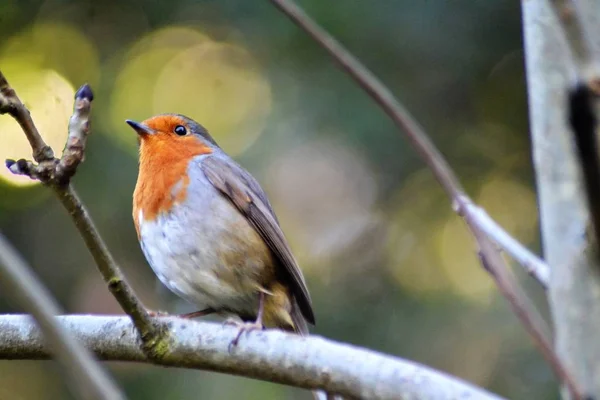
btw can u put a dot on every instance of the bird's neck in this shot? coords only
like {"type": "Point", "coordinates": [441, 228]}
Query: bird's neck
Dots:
{"type": "Point", "coordinates": [162, 179]}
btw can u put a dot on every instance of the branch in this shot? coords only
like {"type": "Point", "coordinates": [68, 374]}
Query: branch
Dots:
{"type": "Point", "coordinates": [584, 38]}
{"type": "Point", "coordinates": [57, 174]}
{"type": "Point", "coordinates": [272, 355]}
{"type": "Point", "coordinates": [523, 307]}
{"type": "Point", "coordinates": [79, 129]}
{"type": "Point", "coordinates": [88, 379]}
{"type": "Point", "coordinates": [434, 159]}
{"type": "Point", "coordinates": [557, 58]}
{"type": "Point", "coordinates": [534, 265]}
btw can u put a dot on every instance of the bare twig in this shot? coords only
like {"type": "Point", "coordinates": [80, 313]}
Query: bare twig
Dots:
{"type": "Point", "coordinates": [86, 376]}
{"type": "Point", "coordinates": [533, 264]}
{"type": "Point", "coordinates": [57, 174]}
{"type": "Point", "coordinates": [309, 362]}
{"type": "Point", "coordinates": [79, 128]}
{"type": "Point", "coordinates": [441, 170]}
{"type": "Point", "coordinates": [520, 304]}
{"type": "Point", "coordinates": [129, 302]}
{"type": "Point", "coordinates": [434, 159]}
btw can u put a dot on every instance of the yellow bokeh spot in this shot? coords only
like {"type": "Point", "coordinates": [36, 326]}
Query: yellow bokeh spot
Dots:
{"type": "Point", "coordinates": [49, 97]}
{"type": "Point", "coordinates": [180, 70]}
{"type": "Point", "coordinates": [458, 259]}
{"type": "Point", "coordinates": [411, 259]}
{"type": "Point", "coordinates": [43, 64]}
{"type": "Point", "coordinates": [59, 47]}
{"type": "Point", "coordinates": [219, 86]}
{"type": "Point", "coordinates": [513, 206]}
{"type": "Point", "coordinates": [431, 250]}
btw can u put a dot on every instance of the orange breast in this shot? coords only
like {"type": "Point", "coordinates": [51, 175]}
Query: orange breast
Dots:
{"type": "Point", "coordinates": [163, 179]}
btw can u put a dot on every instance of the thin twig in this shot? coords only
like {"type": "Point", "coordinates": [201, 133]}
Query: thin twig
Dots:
{"type": "Point", "coordinates": [533, 264]}
{"type": "Point", "coordinates": [109, 269]}
{"type": "Point", "coordinates": [441, 170]}
{"type": "Point", "coordinates": [311, 362]}
{"type": "Point", "coordinates": [57, 174]}
{"type": "Point", "coordinates": [521, 306]}
{"type": "Point", "coordinates": [79, 129]}
{"type": "Point", "coordinates": [421, 142]}
{"type": "Point", "coordinates": [87, 379]}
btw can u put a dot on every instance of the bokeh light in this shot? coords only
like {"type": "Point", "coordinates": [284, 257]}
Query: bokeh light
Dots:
{"type": "Point", "coordinates": [183, 71]}
{"type": "Point", "coordinates": [510, 203]}
{"type": "Point", "coordinates": [60, 47]}
{"type": "Point", "coordinates": [42, 64]}
{"type": "Point", "coordinates": [417, 210]}
{"type": "Point", "coordinates": [426, 261]}
{"type": "Point", "coordinates": [324, 193]}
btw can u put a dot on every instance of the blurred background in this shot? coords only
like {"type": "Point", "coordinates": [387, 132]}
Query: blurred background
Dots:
{"type": "Point", "coordinates": [389, 265]}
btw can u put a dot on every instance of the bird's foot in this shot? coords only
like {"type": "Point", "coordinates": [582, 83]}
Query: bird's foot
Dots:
{"type": "Point", "coordinates": [157, 313]}
{"type": "Point", "coordinates": [243, 327]}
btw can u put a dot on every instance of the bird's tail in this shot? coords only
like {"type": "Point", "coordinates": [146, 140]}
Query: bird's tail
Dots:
{"type": "Point", "coordinates": [300, 325]}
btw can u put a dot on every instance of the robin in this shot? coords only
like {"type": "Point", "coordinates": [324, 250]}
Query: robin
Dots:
{"type": "Point", "coordinates": [209, 232]}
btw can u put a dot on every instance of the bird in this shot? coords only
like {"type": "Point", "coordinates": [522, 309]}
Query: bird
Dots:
{"type": "Point", "coordinates": [209, 232]}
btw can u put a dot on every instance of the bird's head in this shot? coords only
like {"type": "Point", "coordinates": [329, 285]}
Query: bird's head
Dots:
{"type": "Point", "coordinates": [172, 136]}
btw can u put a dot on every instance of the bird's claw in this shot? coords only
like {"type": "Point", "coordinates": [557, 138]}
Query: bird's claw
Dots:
{"type": "Point", "coordinates": [243, 327]}
{"type": "Point", "coordinates": [232, 321]}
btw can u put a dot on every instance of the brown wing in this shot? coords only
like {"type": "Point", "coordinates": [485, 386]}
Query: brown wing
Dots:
{"type": "Point", "coordinates": [247, 195]}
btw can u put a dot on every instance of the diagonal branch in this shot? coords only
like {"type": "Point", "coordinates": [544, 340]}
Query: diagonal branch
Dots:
{"type": "Point", "coordinates": [57, 174]}
{"type": "Point", "coordinates": [420, 140]}
{"type": "Point", "coordinates": [308, 362]}
{"type": "Point", "coordinates": [521, 305]}
{"type": "Point", "coordinates": [464, 206]}
{"type": "Point", "coordinates": [20, 284]}
{"type": "Point", "coordinates": [118, 286]}
{"type": "Point", "coordinates": [534, 265]}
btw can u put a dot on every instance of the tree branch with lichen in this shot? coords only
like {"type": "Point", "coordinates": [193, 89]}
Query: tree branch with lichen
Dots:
{"type": "Point", "coordinates": [309, 362]}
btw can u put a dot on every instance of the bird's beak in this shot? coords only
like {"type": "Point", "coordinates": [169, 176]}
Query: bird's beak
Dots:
{"type": "Point", "coordinates": [141, 129]}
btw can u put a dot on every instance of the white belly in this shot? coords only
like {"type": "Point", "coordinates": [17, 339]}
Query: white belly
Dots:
{"type": "Point", "coordinates": [206, 252]}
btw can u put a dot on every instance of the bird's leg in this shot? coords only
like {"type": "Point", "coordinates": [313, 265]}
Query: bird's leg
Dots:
{"type": "Point", "coordinates": [250, 326]}
{"type": "Point", "coordinates": [196, 314]}
{"type": "Point", "coordinates": [157, 313]}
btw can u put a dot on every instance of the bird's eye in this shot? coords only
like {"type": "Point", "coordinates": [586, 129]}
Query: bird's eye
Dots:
{"type": "Point", "coordinates": [180, 130]}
